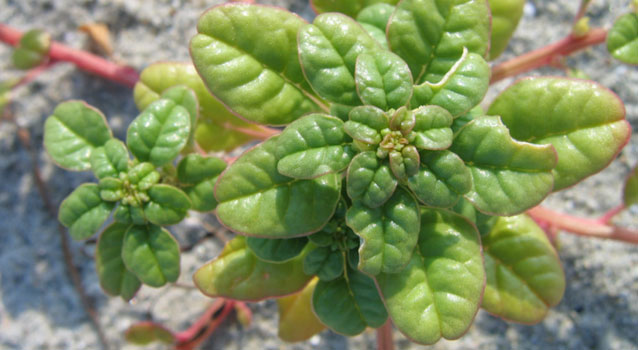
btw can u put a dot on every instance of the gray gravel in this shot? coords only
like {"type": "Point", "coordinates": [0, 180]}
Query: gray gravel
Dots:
{"type": "Point", "coordinates": [38, 305]}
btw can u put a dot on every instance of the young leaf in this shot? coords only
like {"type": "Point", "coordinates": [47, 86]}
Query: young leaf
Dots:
{"type": "Point", "coordinates": [365, 124]}
{"type": "Point", "coordinates": [109, 160]}
{"type": "Point", "coordinates": [505, 17]}
{"type": "Point", "coordinates": [73, 131]}
{"type": "Point", "coordinates": [328, 51]}
{"type": "Point", "coordinates": [630, 193]}
{"type": "Point", "coordinates": [584, 121]}
{"type": "Point", "coordinates": [159, 133]}
{"type": "Point", "coordinates": [144, 176]}
{"type": "Point", "coordinates": [383, 80]}
{"type": "Point", "coordinates": [349, 304]}
{"type": "Point", "coordinates": [374, 19]}
{"type": "Point", "coordinates": [128, 214]}
{"type": "Point", "coordinates": [276, 250]}
{"type": "Point", "coordinates": [144, 333]}
{"type": "Point", "coordinates": [32, 50]}
{"type": "Point", "coordinates": [442, 179]}
{"type": "Point", "coordinates": [115, 279]}
{"type": "Point", "coordinates": [313, 146]}
{"type": "Point", "coordinates": [197, 176]}
{"type": "Point", "coordinates": [152, 254]}
{"type": "Point", "coordinates": [370, 180]}
{"type": "Point", "coordinates": [524, 275]}
{"type": "Point", "coordinates": [622, 39]}
{"type": "Point", "coordinates": [431, 35]}
{"type": "Point", "coordinates": [256, 200]}
{"type": "Point", "coordinates": [439, 292]}
{"type": "Point", "coordinates": [238, 274]}
{"type": "Point", "coordinates": [253, 72]}
{"type": "Point", "coordinates": [84, 212]}
{"type": "Point", "coordinates": [324, 262]}
{"type": "Point", "coordinates": [431, 128]}
{"type": "Point", "coordinates": [350, 8]}
{"type": "Point", "coordinates": [111, 189]}
{"type": "Point", "coordinates": [297, 321]}
{"type": "Point", "coordinates": [507, 176]}
{"type": "Point", "coordinates": [185, 97]}
{"type": "Point", "coordinates": [167, 205]}
{"type": "Point", "coordinates": [388, 233]}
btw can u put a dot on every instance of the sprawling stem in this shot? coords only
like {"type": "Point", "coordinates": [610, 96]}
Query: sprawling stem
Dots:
{"type": "Point", "coordinates": [583, 227]}
{"type": "Point", "coordinates": [205, 325]}
{"type": "Point", "coordinates": [384, 337]}
{"type": "Point", "coordinates": [547, 55]}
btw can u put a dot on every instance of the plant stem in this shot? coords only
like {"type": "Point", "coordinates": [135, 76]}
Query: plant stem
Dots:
{"type": "Point", "coordinates": [384, 337]}
{"type": "Point", "coordinates": [581, 226]}
{"type": "Point", "coordinates": [547, 55]}
{"type": "Point", "coordinates": [205, 325]}
{"type": "Point", "coordinates": [86, 61]}
{"type": "Point", "coordinates": [606, 218]}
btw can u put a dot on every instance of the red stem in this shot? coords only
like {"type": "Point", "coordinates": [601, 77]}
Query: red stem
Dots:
{"type": "Point", "coordinates": [86, 61]}
{"type": "Point", "coordinates": [384, 337]}
{"type": "Point", "coordinates": [547, 55]}
{"type": "Point", "coordinates": [606, 218]}
{"type": "Point", "coordinates": [205, 325]}
{"type": "Point", "coordinates": [583, 227]}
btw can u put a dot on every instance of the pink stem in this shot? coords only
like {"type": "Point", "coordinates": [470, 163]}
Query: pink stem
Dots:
{"type": "Point", "coordinates": [384, 336]}
{"type": "Point", "coordinates": [606, 218]}
{"type": "Point", "coordinates": [205, 325]}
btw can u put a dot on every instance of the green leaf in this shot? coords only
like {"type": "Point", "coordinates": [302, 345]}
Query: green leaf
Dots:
{"type": "Point", "coordinates": [247, 56]}
{"type": "Point", "coordinates": [84, 212]}
{"type": "Point", "coordinates": [238, 274]}
{"type": "Point", "coordinates": [374, 19]}
{"type": "Point", "coordinates": [152, 254]}
{"type": "Point", "coordinates": [115, 279]}
{"type": "Point", "coordinates": [442, 179]}
{"type": "Point", "coordinates": [431, 128]}
{"type": "Point", "coordinates": [388, 233]}
{"type": "Point", "coordinates": [297, 321]}
{"type": "Point", "coordinates": [32, 50]}
{"type": "Point", "coordinates": [167, 205]}
{"type": "Point", "coordinates": [430, 35]}
{"type": "Point", "coordinates": [73, 131]}
{"type": "Point", "coordinates": [312, 146]}
{"type": "Point", "coordinates": [622, 39]}
{"type": "Point", "coordinates": [185, 97]}
{"type": "Point", "coordinates": [197, 176]}
{"type": "Point", "coordinates": [439, 292]}
{"type": "Point", "coordinates": [214, 129]}
{"type": "Point", "coordinates": [144, 176]}
{"type": "Point", "coordinates": [111, 189]}
{"type": "Point", "coordinates": [349, 304]}
{"type": "Point", "coordinates": [365, 124]}
{"type": "Point", "coordinates": [524, 275]}
{"type": "Point", "coordinates": [276, 250]}
{"type": "Point", "coordinates": [584, 121]}
{"type": "Point", "coordinates": [505, 17]}
{"type": "Point", "coordinates": [461, 121]}
{"type": "Point", "coordinates": [159, 133]}
{"type": "Point", "coordinates": [328, 51]}
{"type": "Point", "coordinates": [630, 193]}
{"type": "Point", "coordinates": [458, 88]}
{"type": "Point", "coordinates": [405, 164]}
{"type": "Point", "coordinates": [144, 333]}
{"type": "Point", "coordinates": [370, 180]}
{"type": "Point", "coordinates": [383, 80]}
{"type": "Point", "coordinates": [325, 263]}
{"type": "Point", "coordinates": [508, 176]}
{"type": "Point", "coordinates": [128, 214]}
{"type": "Point", "coordinates": [256, 200]}
{"type": "Point", "coordinates": [350, 8]}
{"type": "Point", "coordinates": [109, 160]}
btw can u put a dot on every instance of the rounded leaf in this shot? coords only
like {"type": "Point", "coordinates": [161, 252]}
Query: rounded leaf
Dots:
{"type": "Point", "coordinates": [297, 322]}
{"type": "Point", "coordinates": [109, 160]}
{"type": "Point", "coordinates": [374, 19]}
{"type": "Point", "coordinates": [167, 205]}
{"type": "Point", "coordinates": [144, 176]}
{"type": "Point", "coordinates": [505, 17]}
{"type": "Point", "coordinates": [441, 180]}
{"type": "Point", "coordinates": [622, 39]}
{"type": "Point", "coordinates": [197, 176]}
{"type": "Point", "coordinates": [185, 97]}
{"type": "Point", "coordinates": [432, 128]}
{"type": "Point", "coordinates": [114, 278]}
{"type": "Point", "coordinates": [365, 124]}
{"type": "Point", "coordinates": [144, 333]}
{"type": "Point", "coordinates": [383, 80]}
{"type": "Point", "coordinates": [32, 50]}
{"type": "Point", "coordinates": [84, 211]}
{"type": "Point", "coordinates": [276, 250]}
{"type": "Point", "coordinates": [350, 8]}
{"type": "Point", "coordinates": [370, 180]}
{"type": "Point", "coordinates": [324, 262]}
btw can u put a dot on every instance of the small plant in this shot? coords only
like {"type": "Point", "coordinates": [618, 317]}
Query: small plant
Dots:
{"type": "Point", "coordinates": [389, 193]}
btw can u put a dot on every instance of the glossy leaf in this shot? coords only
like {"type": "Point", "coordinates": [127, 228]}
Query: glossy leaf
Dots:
{"type": "Point", "coordinates": [73, 131]}
{"type": "Point", "coordinates": [365, 124]}
{"type": "Point", "coordinates": [328, 51]}
{"type": "Point", "coordinates": [115, 279]}
{"type": "Point", "coordinates": [111, 189]}
{"type": "Point", "coordinates": [442, 179]}
{"type": "Point", "coordinates": [185, 97]}
{"type": "Point", "coordinates": [159, 133]}
{"type": "Point", "coordinates": [350, 8]}
{"type": "Point", "coordinates": [167, 205]}
{"type": "Point", "coordinates": [297, 321]}
{"type": "Point", "coordinates": [370, 180]}
{"type": "Point", "coordinates": [325, 263]}
{"type": "Point", "coordinates": [256, 200]}
{"type": "Point", "coordinates": [374, 19]}
{"type": "Point", "coordinates": [584, 121]}
{"type": "Point", "coordinates": [144, 176]}
{"type": "Point", "coordinates": [214, 129]}
{"type": "Point", "coordinates": [84, 212]}
{"type": "Point", "coordinates": [622, 39]}
{"type": "Point", "coordinates": [32, 49]}
{"type": "Point", "coordinates": [458, 88]}
{"type": "Point", "coordinates": [238, 274]}
{"type": "Point", "coordinates": [383, 80]}
{"type": "Point", "coordinates": [505, 17]}
{"type": "Point", "coordinates": [144, 333]}
{"type": "Point", "coordinates": [247, 57]}
{"type": "Point", "coordinates": [276, 250]}
{"type": "Point", "coordinates": [431, 128]}
{"type": "Point", "coordinates": [109, 160]}
{"type": "Point", "coordinates": [197, 176]}
{"type": "Point", "coordinates": [356, 299]}
{"type": "Point", "coordinates": [152, 254]}
{"type": "Point", "coordinates": [389, 233]}
{"type": "Point", "coordinates": [524, 275]}
{"type": "Point", "coordinates": [313, 146]}
{"type": "Point", "coordinates": [431, 35]}
{"type": "Point", "coordinates": [630, 193]}
{"type": "Point", "coordinates": [128, 214]}
{"type": "Point", "coordinates": [439, 292]}
{"type": "Point", "coordinates": [508, 176]}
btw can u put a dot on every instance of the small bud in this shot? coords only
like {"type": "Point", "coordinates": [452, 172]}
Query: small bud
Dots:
{"type": "Point", "coordinates": [581, 28]}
